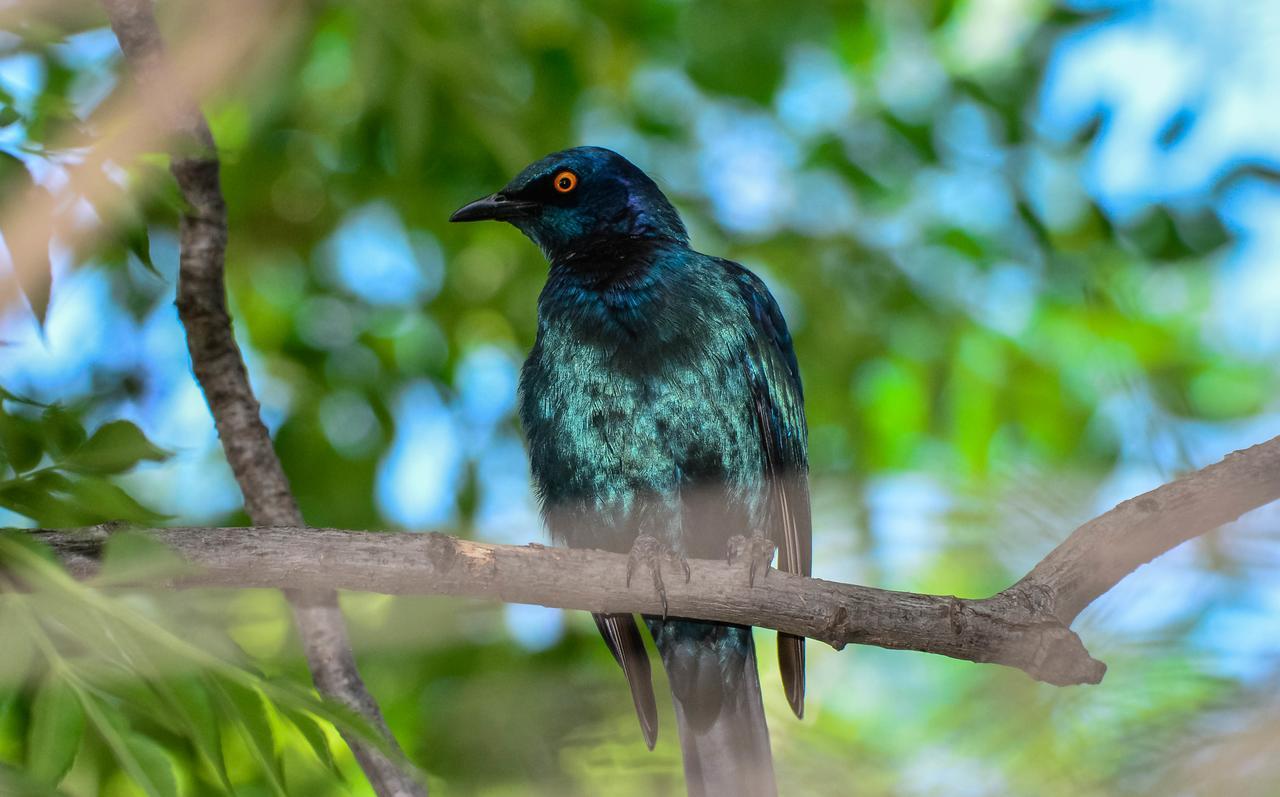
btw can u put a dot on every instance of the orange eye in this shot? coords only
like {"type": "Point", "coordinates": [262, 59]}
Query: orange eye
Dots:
{"type": "Point", "coordinates": [565, 182]}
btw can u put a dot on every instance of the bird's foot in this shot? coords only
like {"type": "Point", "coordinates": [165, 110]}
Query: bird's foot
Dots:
{"type": "Point", "coordinates": [756, 549]}
{"type": "Point", "coordinates": [650, 551]}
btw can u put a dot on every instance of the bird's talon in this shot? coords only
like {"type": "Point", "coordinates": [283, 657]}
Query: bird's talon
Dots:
{"type": "Point", "coordinates": [758, 550]}
{"type": "Point", "coordinates": [651, 551]}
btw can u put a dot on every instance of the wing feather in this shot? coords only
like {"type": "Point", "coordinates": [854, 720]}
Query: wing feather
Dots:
{"type": "Point", "coordinates": [778, 397]}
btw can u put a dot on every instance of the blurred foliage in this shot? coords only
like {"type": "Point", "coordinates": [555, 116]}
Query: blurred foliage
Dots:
{"type": "Point", "coordinates": [57, 475]}
{"type": "Point", "coordinates": [113, 684]}
{"type": "Point", "coordinates": [981, 344]}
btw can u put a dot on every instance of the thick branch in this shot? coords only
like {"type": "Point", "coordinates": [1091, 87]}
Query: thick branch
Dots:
{"type": "Point", "coordinates": [1000, 629]}
{"type": "Point", "coordinates": [1025, 626]}
{"type": "Point", "coordinates": [220, 370]}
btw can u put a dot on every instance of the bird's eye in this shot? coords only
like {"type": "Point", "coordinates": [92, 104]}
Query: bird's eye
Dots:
{"type": "Point", "coordinates": [565, 182]}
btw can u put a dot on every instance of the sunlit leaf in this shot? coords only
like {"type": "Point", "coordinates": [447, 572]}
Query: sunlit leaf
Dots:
{"type": "Point", "coordinates": [289, 695]}
{"type": "Point", "coordinates": [245, 709]}
{"type": "Point", "coordinates": [189, 696]}
{"type": "Point", "coordinates": [314, 735]}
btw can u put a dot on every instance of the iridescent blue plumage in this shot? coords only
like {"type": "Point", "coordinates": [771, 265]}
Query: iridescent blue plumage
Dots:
{"type": "Point", "coordinates": [662, 398]}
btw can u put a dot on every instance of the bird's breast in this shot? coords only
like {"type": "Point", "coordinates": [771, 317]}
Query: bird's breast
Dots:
{"type": "Point", "coordinates": [616, 430]}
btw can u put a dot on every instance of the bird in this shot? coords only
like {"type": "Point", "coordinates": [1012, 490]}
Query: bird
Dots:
{"type": "Point", "coordinates": [664, 416]}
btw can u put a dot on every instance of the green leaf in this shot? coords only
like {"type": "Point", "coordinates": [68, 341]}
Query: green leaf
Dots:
{"type": "Point", "coordinates": [138, 240]}
{"type": "Point", "coordinates": [57, 725]}
{"type": "Point", "coordinates": [156, 762]}
{"type": "Point", "coordinates": [53, 499]}
{"type": "Point", "coordinates": [248, 711]}
{"type": "Point", "coordinates": [113, 730]}
{"type": "Point", "coordinates": [20, 784]}
{"type": "Point", "coordinates": [36, 496]}
{"type": "Point", "coordinates": [286, 694]}
{"type": "Point", "coordinates": [62, 430]}
{"type": "Point", "coordinates": [13, 725]}
{"type": "Point", "coordinates": [315, 736]}
{"type": "Point", "coordinates": [113, 448]}
{"type": "Point", "coordinates": [22, 441]}
{"type": "Point", "coordinates": [9, 115]}
{"type": "Point", "coordinates": [185, 698]}
{"type": "Point", "coordinates": [190, 699]}
{"type": "Point", "coordinates": [100, 500]}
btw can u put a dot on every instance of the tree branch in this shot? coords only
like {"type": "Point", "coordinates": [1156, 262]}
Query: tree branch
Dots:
{"type": "Point", "coordinates": [1025, 626]}
{"type": "Point", "coordinates": [998, 630]}
{"type": "Point", "coordinates": [220, 371]}
{"type": "Point", "coordinates": [1109, 547]}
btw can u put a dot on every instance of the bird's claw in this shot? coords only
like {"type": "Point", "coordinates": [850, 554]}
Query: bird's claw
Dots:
{"type": "Point", "coordinates": [650, 551]}
{"type": "Point", "coordinates": [757, 549]}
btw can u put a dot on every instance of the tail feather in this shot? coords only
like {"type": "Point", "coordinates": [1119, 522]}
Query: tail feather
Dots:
{"type": "Point", "coordinates": [716, 690]}
{"type": "Point", "coordinates": [622, 635]}
{"type": "Point", "coordinates": [791, 665]}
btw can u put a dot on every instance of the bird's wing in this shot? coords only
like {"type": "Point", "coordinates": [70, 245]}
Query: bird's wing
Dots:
{"type": "Point", "coordinates": [778, 405]}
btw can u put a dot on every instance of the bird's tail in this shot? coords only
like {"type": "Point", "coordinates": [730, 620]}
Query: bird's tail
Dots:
{"type": "Point", "coordinates": [716, 690]}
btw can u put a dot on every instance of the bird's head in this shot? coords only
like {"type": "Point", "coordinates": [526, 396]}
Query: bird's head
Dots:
{"type": "Point", "coordinates": [578, 197]}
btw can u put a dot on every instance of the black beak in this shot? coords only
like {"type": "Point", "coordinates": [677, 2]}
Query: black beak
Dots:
{"type": "Point", "coordinates": [493, 207]}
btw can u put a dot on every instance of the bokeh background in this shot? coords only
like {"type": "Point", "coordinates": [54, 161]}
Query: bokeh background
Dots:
{"type": "Point", "coordinates": [1028, 251]}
